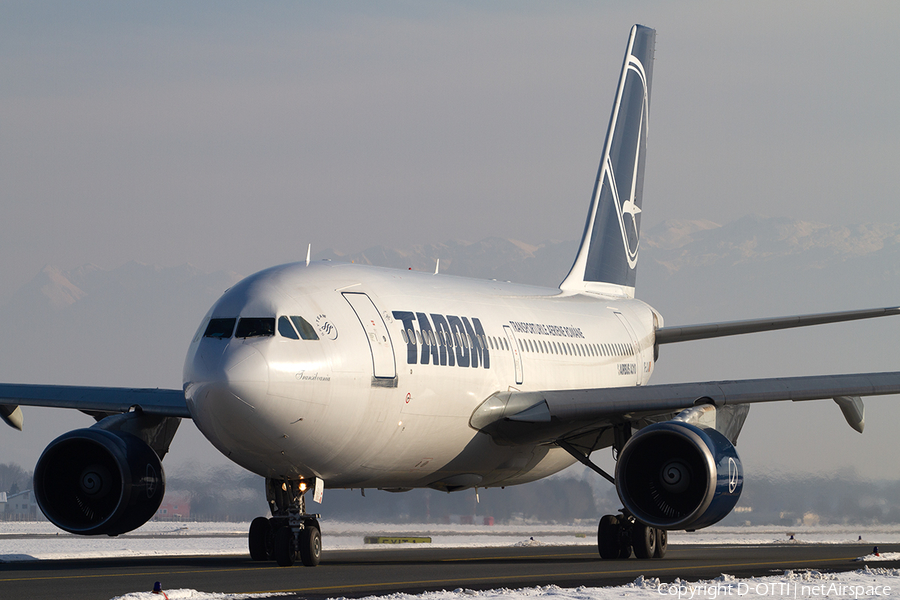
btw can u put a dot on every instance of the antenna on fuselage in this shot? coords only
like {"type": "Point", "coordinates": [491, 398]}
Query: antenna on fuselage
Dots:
{"type": "Point", "coordinates": [308, 250]}
{"type": "Point", "coordinates": [437, 266]}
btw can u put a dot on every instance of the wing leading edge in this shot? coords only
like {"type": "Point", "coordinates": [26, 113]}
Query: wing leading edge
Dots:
{"type": "Point", "coordinates": [151, 401]}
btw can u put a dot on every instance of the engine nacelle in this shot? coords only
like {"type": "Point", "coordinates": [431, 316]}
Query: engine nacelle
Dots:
{"type": "Point", "coordinates": [94, 481]}
{"type": "Point", "coordinates": [675, 475]}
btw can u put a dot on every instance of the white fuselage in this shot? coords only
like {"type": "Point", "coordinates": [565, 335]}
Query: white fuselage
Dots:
{"type": "Point", "coordinates": [383, 397]}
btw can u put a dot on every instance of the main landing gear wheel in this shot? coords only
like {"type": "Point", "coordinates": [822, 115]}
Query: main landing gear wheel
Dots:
{"type": "Point", "coordinates": [261, 539]}
{"type": "Point", "coordinates": [662, 543]}
{"type": "Point", "coordinates": [618, 535]}
{"type": "Point", "coordinates": [608, 537]}
{"type": "Point", "coordinates": [310, 545]}
{"type": "Point", "coordinates": [612, 538]}
{"type": "Point", "coordinates": [285, 549]}
{"type": "Point", "coordinates": [643, 539]}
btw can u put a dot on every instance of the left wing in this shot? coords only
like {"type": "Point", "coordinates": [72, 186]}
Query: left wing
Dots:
{"type": "Point", "coordinates": [150, 401]}
{"type": "Point", "coordinates": [668, 335]}
{"type": "Point", "coordinates": [550, 416]}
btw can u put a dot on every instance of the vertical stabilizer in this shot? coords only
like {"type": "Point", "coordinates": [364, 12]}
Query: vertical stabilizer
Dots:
{"type": "Point", "coordinates": [608, 255]}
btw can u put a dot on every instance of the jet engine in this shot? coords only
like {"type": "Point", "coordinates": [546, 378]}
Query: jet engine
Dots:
{"type": "Point", "coordinates": [676, 475]}
{"type": "Point", "coordinates": [94, 481]}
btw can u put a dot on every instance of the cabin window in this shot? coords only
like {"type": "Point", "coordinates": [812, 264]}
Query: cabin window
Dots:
{"type": "Point", "coordinates": [220, 328]}
{"type": "Point", "coordinates": [307, 332]}
{"type": "Point", "coordinates": [285, 329]}
{"type": "Point", "coordinates": [249, 327]}
{"type": "Point", "coordinates": [403, 336]}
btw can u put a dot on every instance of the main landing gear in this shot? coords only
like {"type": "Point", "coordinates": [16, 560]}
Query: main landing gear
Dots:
{"type": "Point", "coordinates": [620, 535]}
{"type": "Point", "coordinates": [290, 533]}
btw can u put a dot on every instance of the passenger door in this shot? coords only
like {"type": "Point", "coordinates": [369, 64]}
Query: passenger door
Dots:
{"type": "Point", "coordinates": [383, 365]}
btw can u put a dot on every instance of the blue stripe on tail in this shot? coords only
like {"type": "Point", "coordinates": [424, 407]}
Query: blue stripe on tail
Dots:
{"type": "Point", "coordinates": [607, 258]}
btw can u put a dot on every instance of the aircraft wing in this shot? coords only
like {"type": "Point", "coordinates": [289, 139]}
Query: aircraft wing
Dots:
{"type": "Point", "coordinates": [668, 335]}
{"type": "Point", "coordinates": [549, 416]}
{"type": "Point", "coordinates": [151, 401]}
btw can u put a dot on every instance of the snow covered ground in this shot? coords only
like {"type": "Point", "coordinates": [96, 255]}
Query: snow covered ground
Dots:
{"type": "Point", "coordinates": [868, 584]}
{"type": "Point", "coordinates": [41, 541]}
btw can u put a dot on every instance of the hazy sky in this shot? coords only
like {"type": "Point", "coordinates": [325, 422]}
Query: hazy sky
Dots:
{"type": "Point", "coordinates": [231, 135]}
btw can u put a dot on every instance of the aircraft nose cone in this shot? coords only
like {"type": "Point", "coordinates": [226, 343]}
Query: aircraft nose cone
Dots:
{"type": "Point", "coordinates": [228, 384]}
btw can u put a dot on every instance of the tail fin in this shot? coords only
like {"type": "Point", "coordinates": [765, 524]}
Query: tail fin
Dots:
{"type": "Point", "coordinates": [607, 258]}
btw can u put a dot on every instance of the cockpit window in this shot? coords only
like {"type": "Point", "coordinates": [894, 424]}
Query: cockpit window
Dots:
{"type": "Point", "coordinates": [306, 330]}
{"type": "Point", "coordinates": [285, 329]}
{"type": "Point", "coordinates": [255, 327]}
{"type": "Point", "coordinates": [220, 328]}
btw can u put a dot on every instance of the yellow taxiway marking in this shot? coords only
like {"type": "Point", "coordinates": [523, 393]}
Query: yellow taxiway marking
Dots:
{"type": "Point", "coordinates": [471, 558]}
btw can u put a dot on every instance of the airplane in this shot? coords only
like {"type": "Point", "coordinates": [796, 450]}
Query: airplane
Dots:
{"type": "Point", "coordinates": [319, 374]}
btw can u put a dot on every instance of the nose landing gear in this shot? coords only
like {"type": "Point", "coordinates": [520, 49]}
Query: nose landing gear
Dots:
{"type": "Point", "coordinates": [291, 533]}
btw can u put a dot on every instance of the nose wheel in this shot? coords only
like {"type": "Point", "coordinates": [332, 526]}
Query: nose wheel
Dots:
{"type": "Point", "coordinates": [291, 534]}
{"type": "Point", "coordinates": [291, 543]}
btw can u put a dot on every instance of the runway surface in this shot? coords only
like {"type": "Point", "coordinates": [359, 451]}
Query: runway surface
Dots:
{"type": "Point", "coordinates": [416, 569]}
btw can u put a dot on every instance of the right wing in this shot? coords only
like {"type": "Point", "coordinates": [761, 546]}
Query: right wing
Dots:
{"type": "Point", "coordinates": [92, 400]}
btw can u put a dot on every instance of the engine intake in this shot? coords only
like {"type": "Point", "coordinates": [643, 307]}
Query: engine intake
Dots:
{"type": "Point", "coordinates": [675, 475]}
{"type": "Point", "coordinates": [94, 481]}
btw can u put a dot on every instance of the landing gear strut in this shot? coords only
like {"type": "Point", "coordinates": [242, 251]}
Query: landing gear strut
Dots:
{"type": "Point", "coordinates": [619, 535]}
{"type": "Point", "coordinates": [291, 533]}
